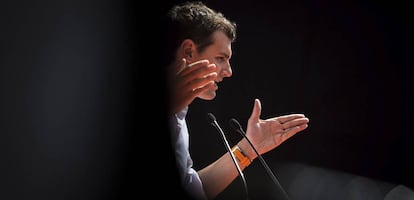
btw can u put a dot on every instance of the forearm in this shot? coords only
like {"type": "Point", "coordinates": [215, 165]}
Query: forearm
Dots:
{"type": "Point", "coordinates": [220, 174]}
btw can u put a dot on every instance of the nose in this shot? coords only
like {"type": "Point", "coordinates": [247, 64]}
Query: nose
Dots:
{"type": "Point", "coordinates": [226, 71]}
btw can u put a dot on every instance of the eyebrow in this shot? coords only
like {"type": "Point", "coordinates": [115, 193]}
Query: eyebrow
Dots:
{"type": "Point", "coordinates": [225, 55]}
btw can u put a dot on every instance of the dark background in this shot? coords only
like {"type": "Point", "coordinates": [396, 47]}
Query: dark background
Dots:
{"type": "Point", "coordinates": [345, 65]}
{"type": "Point", "coordinates": [83, 101]}
{"type": "Point", "coordinates": [82, 107]}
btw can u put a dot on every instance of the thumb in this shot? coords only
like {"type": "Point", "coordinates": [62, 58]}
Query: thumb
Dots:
{"type": "Point", "coordinates": [257, 109]}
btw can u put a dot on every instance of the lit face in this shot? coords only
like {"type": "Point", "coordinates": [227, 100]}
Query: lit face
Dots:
{"type": "Point", "coordinates": [218, 53]}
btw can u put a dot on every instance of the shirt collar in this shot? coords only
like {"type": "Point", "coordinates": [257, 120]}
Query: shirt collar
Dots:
{"type": "Point", "coordinates": [180, 115]}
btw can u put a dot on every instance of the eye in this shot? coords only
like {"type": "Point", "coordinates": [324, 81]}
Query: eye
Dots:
{"type": "Point", "coordinates": [221, 59]}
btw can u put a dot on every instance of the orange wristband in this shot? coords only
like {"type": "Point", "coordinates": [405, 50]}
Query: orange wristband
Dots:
{"type": "Point", "coordinates": [241, 157]}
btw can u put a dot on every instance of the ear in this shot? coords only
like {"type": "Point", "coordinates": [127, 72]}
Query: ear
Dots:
{"type": "Point", "coordinates": [188, 48]}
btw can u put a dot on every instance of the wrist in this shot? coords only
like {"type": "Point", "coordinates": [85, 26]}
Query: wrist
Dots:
{"type": "Point", "coordinates": [241, 157]}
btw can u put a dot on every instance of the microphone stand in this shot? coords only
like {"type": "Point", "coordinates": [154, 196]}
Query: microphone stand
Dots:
{"type": "Point", "coordinates": [213, 122]}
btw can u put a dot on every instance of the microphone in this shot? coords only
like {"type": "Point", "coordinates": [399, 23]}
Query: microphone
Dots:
{"type": "Point", "coordinates": [237, 127]}
{"type": "Point", "coordinates": [213, 121]}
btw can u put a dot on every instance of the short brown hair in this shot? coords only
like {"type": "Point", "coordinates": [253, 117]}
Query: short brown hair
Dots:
{"type": "Point", "coordinates": [196, 21]}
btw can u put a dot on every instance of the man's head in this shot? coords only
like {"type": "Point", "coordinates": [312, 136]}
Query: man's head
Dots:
{"type": "Point", "coordinates": [197, 32]}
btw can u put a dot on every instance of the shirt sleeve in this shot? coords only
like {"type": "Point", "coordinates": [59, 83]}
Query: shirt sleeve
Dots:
{"type": "Point", "coordinates": [180, 142]}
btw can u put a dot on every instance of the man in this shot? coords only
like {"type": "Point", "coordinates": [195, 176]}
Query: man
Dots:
{"type": "Point", "coordinates": [200, 46]}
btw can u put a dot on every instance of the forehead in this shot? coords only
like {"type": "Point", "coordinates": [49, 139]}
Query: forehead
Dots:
{"type": "Point", "coordinates": [221, 44]}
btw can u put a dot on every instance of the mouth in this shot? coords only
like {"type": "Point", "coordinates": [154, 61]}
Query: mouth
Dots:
{"type": "Point", "coordinates": [215, 85]}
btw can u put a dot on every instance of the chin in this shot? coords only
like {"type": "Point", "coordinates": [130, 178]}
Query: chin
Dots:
{"type": "Point", "coordinates": [208, 95]}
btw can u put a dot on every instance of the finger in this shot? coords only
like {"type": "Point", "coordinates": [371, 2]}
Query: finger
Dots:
{"type": "Point", "coordinates": [195, 66]}
{"type": "Point", "coordinates": [292, 131]}
{"type": "Point", "coordinates": [257, 109]}
{"type": "Point", "coordinates": [194, 76]}
{"type": "Point", "coordinates": [182, 66]}
{"type": "Point", "coordinates": [198, 62]}
{"type": "Point", "coordinates": [205, 87]}
{"type": "Point", "coordinates": [283, 119]}
{"type": "Point", "coordinates": [202, 82]}
{"type": "Point", "coordinates": [295, 122]}
{"type": "Point", "coordinates": [198, 75]}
